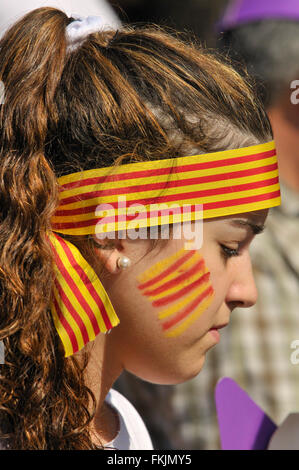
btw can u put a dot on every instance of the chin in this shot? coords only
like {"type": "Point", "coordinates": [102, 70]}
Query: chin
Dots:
{"type": "Point", "coordinates": [192, 372]}
{"type": "Point", "coordinates": [176, 376]}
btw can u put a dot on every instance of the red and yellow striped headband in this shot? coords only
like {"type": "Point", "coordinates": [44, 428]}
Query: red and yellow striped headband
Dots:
{"type": "Point", "coordinates": [123, 197]}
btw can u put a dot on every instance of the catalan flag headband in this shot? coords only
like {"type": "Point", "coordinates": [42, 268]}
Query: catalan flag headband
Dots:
{"type": "Point", "coordinates": [120, 198]}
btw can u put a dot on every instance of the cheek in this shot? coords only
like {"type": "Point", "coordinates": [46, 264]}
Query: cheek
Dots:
{"type": "Point", "coordinates": [162, 336]}
{"type": "Point", "coordinates": [219, 279]}
{"type": "Point", "coordinates": [179, 290]}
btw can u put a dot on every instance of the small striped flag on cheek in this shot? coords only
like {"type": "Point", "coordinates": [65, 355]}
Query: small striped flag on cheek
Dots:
{"type": "Point", "coordinates": [181, 286]}
{"type": "Point", "coordinates": [81, 308]}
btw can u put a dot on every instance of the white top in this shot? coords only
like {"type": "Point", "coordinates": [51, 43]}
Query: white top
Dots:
{"type": "Point", "coordinates": [132, 434]}
{"type": "Point", "coordinates": [286, 436]}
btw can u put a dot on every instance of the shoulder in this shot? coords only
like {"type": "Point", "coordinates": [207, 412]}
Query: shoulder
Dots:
{"type": "Point", "coordinates": [133, 434]}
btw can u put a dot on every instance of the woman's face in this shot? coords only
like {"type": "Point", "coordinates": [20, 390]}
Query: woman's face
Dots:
{"type": "Point", "coordinates": [172, 302]}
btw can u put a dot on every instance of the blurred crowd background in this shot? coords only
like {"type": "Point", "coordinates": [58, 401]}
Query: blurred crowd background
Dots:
{"type": "Point", "coordinates": [262, 39]}
{"type": "Point", "coordinates": [195, 16]}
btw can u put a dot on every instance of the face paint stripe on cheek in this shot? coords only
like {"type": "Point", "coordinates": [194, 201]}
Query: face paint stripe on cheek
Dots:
{"type": "Point", "coordinates": [192, 318]}
{"type": "Point", "coordinates": [181, 315]}
{"type": "Point", "coordinates": [178, 306]}
{"type": "Point", "coordinates": [185, 284]}
{"type": "Point", "coordinates": [188, 264]}
{"type": "Point", "coordinates": [174, 282]}
{"type": "Point", "coordinates": [185, 290]}
{"type": "Point", "coordinates": [161, 265]}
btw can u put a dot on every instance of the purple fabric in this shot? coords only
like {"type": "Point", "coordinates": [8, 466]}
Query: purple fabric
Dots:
{"type": "Point", "coordinates": [243, 425]}
{"type": "Point", "coordinates": [246, 11]}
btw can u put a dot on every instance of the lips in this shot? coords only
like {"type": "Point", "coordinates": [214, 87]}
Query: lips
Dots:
{"type": "Point", "coordinates": [218, 327]}
{"type": "Point", "coordinates": [215, 333]}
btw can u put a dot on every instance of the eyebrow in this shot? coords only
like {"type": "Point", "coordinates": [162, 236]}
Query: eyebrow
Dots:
{"type": "Point", "coordinates": [256, 228]}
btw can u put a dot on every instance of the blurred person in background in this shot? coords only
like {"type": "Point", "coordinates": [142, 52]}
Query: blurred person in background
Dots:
{"type": "Point", "coordinates": [196, 17]}
{"type": "Point", "coordinates": [256, 350]}
{"type": "Point", "coordinates": [264, 36]}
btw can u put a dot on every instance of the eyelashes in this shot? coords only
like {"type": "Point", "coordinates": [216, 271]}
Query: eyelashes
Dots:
{"type": "Point", "coordinates": [229, 252]}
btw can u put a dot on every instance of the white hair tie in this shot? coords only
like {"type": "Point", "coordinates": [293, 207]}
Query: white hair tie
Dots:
{"type": "Point", "coordinates": [78, 30]}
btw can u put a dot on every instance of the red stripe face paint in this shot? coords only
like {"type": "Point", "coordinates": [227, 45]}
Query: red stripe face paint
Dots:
{"type": "Point", "coordinates": [180, 287]}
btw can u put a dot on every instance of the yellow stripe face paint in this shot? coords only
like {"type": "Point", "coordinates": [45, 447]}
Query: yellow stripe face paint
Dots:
{"type": "Point", "coordinates": [180, 287]}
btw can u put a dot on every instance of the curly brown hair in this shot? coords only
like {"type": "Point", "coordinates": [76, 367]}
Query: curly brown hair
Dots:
{"type": "Point", "coordinates": [136, 94]}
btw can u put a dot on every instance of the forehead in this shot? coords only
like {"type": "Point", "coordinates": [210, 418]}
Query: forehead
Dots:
{"type": "Point", "coordinates": [254, 220]}
{"type": "Point", "coordinates": [256, 217]}
{"type": "Point", "coordinates": [259, 216]}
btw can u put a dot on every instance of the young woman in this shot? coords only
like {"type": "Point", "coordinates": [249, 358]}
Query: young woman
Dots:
{"type": "Point", "coordinates": [96, 128]}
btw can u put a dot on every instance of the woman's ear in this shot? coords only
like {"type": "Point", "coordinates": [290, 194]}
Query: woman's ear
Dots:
{"type": "Point", "coordinates": [108, 252]}
{"type": "Point", "coordinates": [111, 254]}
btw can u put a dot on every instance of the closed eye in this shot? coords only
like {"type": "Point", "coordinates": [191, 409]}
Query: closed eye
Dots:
{"type": "Point", "coordinates": [229, 252]}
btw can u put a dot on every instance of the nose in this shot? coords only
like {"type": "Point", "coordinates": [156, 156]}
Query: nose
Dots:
{"type": "Point", "coordinates": [242, 291]}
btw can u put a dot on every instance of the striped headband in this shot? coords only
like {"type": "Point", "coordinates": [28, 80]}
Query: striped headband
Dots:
{"type": "Point", "coordinates": [145, 194]}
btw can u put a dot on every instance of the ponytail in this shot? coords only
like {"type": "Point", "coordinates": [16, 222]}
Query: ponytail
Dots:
{"type": "Point", "coordinates": [36, 380]}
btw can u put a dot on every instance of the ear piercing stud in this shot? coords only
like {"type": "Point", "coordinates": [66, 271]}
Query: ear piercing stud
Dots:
{"type": "Point", "coordinates": [123, 262]}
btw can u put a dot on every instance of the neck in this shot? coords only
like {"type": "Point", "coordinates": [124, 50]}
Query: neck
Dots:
{"type": "Point", "coordinates": [284, 117]}
{"type": "Point", "coordinates": [101, 374]}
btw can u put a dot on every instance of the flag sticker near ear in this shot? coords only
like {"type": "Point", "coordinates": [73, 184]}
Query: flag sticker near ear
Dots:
{"type": "Point", "coordinates": [180, 286]}
{"type": "Point", "coordinates": [81, 308]}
